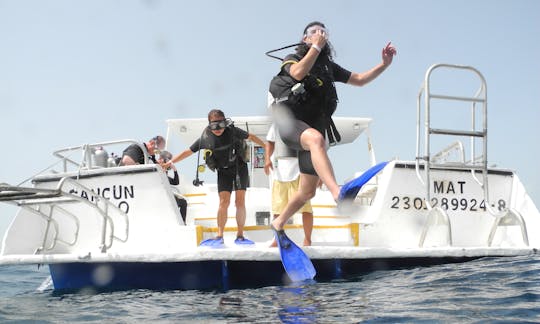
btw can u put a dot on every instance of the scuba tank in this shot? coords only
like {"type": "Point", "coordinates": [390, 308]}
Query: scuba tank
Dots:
{"type": "Point", "coordinates": [111, 161]}
{"type": "Point", "coordinates": [99, 157]}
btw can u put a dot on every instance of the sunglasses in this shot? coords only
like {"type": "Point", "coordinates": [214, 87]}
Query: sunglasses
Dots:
{"type": "Point", "coordinates": [218, 124]}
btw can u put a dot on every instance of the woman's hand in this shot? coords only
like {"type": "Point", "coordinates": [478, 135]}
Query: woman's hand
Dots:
{"type": "Point", "coordinates": [318, 39]}
{"type": "Point", "coordinates": [388, 53]}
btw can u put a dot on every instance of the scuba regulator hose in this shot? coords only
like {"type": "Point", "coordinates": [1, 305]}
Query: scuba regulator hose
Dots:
{"type": "Point", "coordinates": [196, 181]}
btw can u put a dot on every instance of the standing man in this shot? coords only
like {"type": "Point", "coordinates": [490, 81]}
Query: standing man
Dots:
{"type": "Point", "coordinates": [225, 143]}
{"type": "Point", "coordinates": [283, 164]}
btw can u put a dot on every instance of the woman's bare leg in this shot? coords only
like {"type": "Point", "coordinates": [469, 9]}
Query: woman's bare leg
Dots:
{"type": "Point", "coordinates": [307, 222]}
{"type": "Point", "coordinates": [314, 142]}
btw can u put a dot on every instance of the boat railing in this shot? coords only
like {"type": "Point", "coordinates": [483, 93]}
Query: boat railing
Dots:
{"type": "Point", "coordinates": [93, 155]}
{"type": "Point", "coordinates": [89, 158]}
{"type": "Point", "coordinates": [476, 164]}
{"type": "Point", "coordinates": [442, 156]}
{"type": "Point", "coordinates": [47, 203]}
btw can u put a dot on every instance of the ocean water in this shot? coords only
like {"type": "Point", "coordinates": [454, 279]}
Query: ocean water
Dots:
{"type": "Point", "coordinates": [487, 290]}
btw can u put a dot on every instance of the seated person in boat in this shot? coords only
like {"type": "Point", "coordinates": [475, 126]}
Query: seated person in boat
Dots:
{"type": "Point", "coordinates": [224, 150]}
{"type": "Point", "coordinates": [282, 163]}
{"type": "Point", "coordinates": [134, 154]}
{"type": "Point", "coordinates": [164, 157]}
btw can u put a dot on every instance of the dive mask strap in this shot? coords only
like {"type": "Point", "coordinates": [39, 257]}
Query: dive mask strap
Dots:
{"type": "Point", "coordinates": [279, 49]}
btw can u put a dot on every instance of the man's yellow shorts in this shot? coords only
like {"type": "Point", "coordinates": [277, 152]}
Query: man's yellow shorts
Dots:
{"type": "Point", "coordinates": [282, 192]}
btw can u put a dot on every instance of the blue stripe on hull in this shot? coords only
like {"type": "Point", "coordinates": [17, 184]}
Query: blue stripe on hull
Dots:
{"type": "Point", "coordinates": [350, 268]}
{"type": "Point", "coordinates": [214, 275]}
{"type": "Point", "coordinates": [137, 275]}
{"type": "Point", "coordinates": [255, 274]}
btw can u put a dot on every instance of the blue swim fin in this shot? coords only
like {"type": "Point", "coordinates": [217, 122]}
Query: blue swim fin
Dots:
{"type": "Point", "coordinates": [350, 189]}
{"type": "Point", "coordinates": [295, 262]}
{"type": "Point", "coordinates": [240, 240]}
{"type": "Point", "coordinates": [213, 242]}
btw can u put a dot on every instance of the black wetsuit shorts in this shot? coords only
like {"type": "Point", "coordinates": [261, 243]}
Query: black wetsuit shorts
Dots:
{"type": "Point", "coordinates": [228, 179]}
{"type": "Point", "coordinates": [291, 137]}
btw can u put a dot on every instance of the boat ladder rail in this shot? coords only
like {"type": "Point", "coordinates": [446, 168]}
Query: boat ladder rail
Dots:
{"type": "Point", "coordinates": [438, 161]}
{"type": "Point", "coordinates": [436, 217]}
{"type": "Point", "coordinates": [367, 193]}
{"type": "Point", "coordinates": [50, 203]}
{"type": "Point", "coordinates": [509, 217]}
{"type": "Point", "coordinates": [477, 164]}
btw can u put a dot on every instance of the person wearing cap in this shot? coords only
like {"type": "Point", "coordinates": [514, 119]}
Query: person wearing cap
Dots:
{"type": "Point", "coordinates": [134, 154]}
{"type": "Point", "coordinates": [308, 128]}
{"type": "Point", "coordinates": [225, 141]}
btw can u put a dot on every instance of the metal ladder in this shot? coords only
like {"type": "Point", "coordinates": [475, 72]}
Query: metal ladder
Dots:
{"type": "Point", "coordinates": [506, 217]}
{"type": "Point", "coordinates": [475, 164]}
{"type": "Point", "coordinates": [47, 203]}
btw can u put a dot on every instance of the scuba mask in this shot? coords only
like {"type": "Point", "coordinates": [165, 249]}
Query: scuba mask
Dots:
{"type": "Point", "coordinates": [313, 30]}
{"type": "Point", "coordinates": [219, 124]}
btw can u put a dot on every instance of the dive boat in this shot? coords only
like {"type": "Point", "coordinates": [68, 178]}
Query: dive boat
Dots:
{"type": "Point", "coordinates": [106, 227]}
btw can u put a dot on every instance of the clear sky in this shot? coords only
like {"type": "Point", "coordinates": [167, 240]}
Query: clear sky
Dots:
{"type": "Point", "coordinates": [75, 72]}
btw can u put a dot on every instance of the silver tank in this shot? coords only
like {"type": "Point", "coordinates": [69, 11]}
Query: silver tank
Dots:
{"type": "Point", "coordinates": [111, 161]}
{"type": "Point", "coordinates": [99, 157]}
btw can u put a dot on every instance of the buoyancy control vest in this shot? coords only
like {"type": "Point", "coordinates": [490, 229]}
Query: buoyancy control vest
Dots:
{"type": "Point", "coordinates": [313, 99]}
{"type": "Point", "coordinates": [224, 154]}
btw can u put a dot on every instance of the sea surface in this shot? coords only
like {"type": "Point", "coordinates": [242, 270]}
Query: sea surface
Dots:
{"type": "Point", "coordinates": [487, 290]}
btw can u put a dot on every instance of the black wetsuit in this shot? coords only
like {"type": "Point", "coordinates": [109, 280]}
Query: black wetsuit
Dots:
{"type": "Point", "coordinates": [317, 113]}
{"type": "Point", "coordinates": [227, 155]}
{"type": "Point", "coordinates": [135, 152]}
